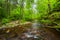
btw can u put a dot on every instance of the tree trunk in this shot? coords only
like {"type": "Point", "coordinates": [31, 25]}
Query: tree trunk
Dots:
{"type": "Point", "coordinates": [21, 8]}
{"type": "Point", "coordinates": [7, 7]}
{"type": "Point", "coordinates": [49, 8]}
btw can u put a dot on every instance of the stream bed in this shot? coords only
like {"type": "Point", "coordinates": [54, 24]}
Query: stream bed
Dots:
{"type": "Point", "coordinates": [35, 34]}
{"type": "Point", "coordinates": [32, 33]}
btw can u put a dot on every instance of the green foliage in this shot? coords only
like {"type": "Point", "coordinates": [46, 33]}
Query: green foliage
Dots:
{"type": "Point", "coordinates": [5, 20]}
{"type": "Point", "coordinates": [24, 10]}
{"type": "Point", "coordinates": [15, 14]}
{"type": "Point", "coordinates": [57, 5]}
{"type": "Point", "coordinates": [2, 10]}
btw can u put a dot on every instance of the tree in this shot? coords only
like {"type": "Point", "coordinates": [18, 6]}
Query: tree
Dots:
{"type": "Point", "coordinates": [49, 8]}
{"type": "Point", "coordinates": [7, 7]}
{"type": "Point", "coordinates": [21, 8]}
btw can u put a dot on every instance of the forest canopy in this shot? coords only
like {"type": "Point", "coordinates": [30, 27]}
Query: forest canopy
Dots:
{"type": "Point", "coordinates": [47, 12]}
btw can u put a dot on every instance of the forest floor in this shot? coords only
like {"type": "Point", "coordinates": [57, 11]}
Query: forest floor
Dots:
{"type": "Point", "coordinates": [21, 33]}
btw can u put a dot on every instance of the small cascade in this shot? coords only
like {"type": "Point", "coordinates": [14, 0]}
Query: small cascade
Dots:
{"type": "Point", "coordinates": [35, 24]}
{"type": "Point", "coordinates": [32, 33]}
{"type": "Point", "coordinates": [35, 32]}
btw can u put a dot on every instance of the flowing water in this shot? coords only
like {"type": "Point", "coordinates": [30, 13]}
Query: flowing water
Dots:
{"type": "Point", "coordinates": [32, 33]}
{"type": "Point", "coordinates": [36, 32]}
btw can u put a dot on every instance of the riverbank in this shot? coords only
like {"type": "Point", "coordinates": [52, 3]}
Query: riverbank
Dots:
{"type": "Point", "coordinates": [20, 31]}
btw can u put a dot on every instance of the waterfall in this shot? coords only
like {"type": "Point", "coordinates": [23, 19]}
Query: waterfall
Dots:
{"type": "Point", "coordinates": [35, 24]}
